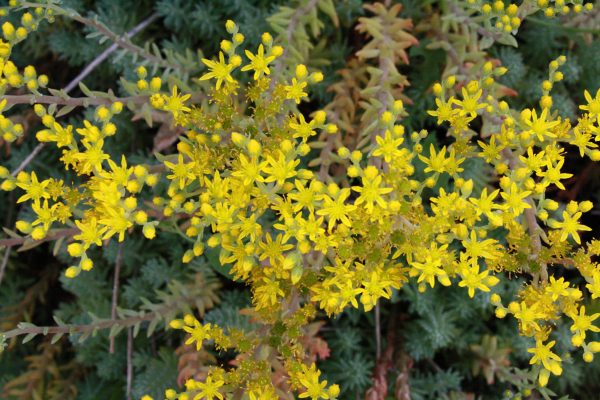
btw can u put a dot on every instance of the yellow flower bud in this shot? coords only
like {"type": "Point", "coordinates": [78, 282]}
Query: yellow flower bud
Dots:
{"type": "Point", "coordinates": [386, 117]}
{"type": "Point", "coordinates": [187, 257]}
{"type": "Point", "coordinates": [558, 76]}
{"type": "Point", "coordinates": [8, 30]}
{"type": "Point", "coordinates": [86, 264]}
{"type": "Point", "coordinates": [301, 71]}
{"type": "Point", "coordinates": [320, 117]}
{"type": "Point", "coordinates": [23, 226]}
{"type": "Point", "coordinates": [151, 180]}
{"type": "Point", "coordinates": [277, 51]}
{"type": "Point", "coordinates": [585, 206]}
{"type": "Point", "coordinates": [501, 312]}
{"type": "Point", "coordinates": [155, 84]}
{"type": "Point", "coordinates": [133, 186]}
{"type": "Point", "coordinates": [141, 72]}
{"type": "Point", "coordinates": [266, 38]}
{"type": "Point", "coordinates": [546, 102]}
{"type": "Point", "coordinates": [75, 249]}
{"type": "Point", "coordinates": [72, 272]}
{"type": "Point", "coordinates": [176, 324]}
{"type": "Point", "coordinates": [572, 207]}
{"type": "Point", "coordinates": [43, 80]}
{"type": "Point", "coordinates": [149, 231]}
{"type": "Point", "coordinates": [141, 217]}
{"type": "Point", "coordinates": [8, 185]}
{"type": "Point", "coordinates": [332, 129]}
{"type": "Point", "coordinates": [236, 60]}
{"type": "Point", "coordinates": [316, 77]}
{"type": "Point", "coordinates": [38, 233]}
{"type": "Point", "coordinates": [142, 84]}
{"type": "Point", "coordinates": [230, 26]}
{"type": "Point", "coordinates": [238, 38]}
{"type": "Point", "coordinates": [253, 147]}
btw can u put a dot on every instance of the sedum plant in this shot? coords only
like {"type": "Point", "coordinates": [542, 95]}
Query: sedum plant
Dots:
{"type": "Point", "coordinates": [387, 211]}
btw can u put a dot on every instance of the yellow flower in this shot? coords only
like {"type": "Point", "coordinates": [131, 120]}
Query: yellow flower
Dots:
{"type": "Point", "coordinates": [335, 209]}
{"type": "Point", "coordinates": [295, 91]}
{"type": "Point", "coordinates": [370, 192]}
{"type": "Point", "coordinates": [218, 70]}
{"type": "Point", "coordinates": [209, 389]}
{"type": "Point", "coordinates": [552, 175]}
{"type": "Point", "coordinates": [470, 103]}
{"type": "Point", "coordinates": [473, 279]}
{"type": "Point", "coordinates": [182, 172]}
{"type": "Point", "coordinates": [550, 361]}
{"type": "Point", "coordinates": [175, 103]}
{"type": "Point", "coordinates": [278, 170]}
{"type": "Point", "coordinates": [388, 147]}
{"type": "Point", "coordinates": [593, 106]}
{"type": "Point", "coordinates": [259, 63]}
{"type": "Point", "coordinates": [436, 161]}
{"type": "Point", "coordinates": [34, 189]}
{"type": "Point", "coordinates": [314, 388]}
{"type": "Point", "coordinates": [539, 126]}
{"type": "Point", "coordinates": [198, 333]}
{"type": "Point", "coordinates": [515, 199]}
{"type": "Point", "coordinates": [569, 226]}
{"type": "Point", "coordinates": [444, 111]}
{"type": "Point", "coordinates": [90, 232]}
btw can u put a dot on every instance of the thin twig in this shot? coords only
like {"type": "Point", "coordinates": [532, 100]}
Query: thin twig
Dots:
{"type": "Point", "coordinates": [377, 330]}
{"type": "Point", "coordinates": [28, 159]}
{"type": "Point", "coordinates": [59, 233]}
{"type": "Point", "coordinates": [104, 55]}
{"type": "Point", "coordinates": [120, 41]}
{"type": "Point", "coordinates": [71, 101]}
{"type": "Point", "coordinates": [4, 262]}
{"type": "Point", "coordinates": [129, 362]}
{"type": "Point", "coordinates": [115, 294]}
{"type": "Point", "coordinates": [71, 329]}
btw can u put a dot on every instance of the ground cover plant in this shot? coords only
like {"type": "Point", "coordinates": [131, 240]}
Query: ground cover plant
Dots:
{"type": "Point", "coordinates": [317, 199]}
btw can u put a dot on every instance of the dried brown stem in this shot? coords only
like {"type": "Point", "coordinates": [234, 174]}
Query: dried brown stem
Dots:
{"type": "Point", "coordinates": [115, 293]}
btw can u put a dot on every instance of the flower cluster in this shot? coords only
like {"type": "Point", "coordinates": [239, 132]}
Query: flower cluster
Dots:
{"type": "Point", "coordinates": [238, 183]}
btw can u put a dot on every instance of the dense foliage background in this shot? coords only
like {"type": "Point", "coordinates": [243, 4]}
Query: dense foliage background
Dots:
{"type": "Point", "coordinates": [444, 344]}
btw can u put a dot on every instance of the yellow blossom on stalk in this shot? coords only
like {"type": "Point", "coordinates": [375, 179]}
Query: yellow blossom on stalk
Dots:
{"type": "Point", "coordinates": [258, 62]}
{"type": "Point", "coordinates": [176, 103]}
{"type": "Point", "coordinates": [515, 199]}
{"type": "Point", "coordinates": [336, 209]}
{"type": "Point", "coordinates": [182, 172]}
{"type": "Point", "coordinates": [388, 146]}
{"type": "Point", "coordinates": [280, 169]}
{"type": "Point", "coordinates": [570, 226]}
{"type": "Point", "coordinates": [313, 387]}
{"type": "Point", "coordinates": [198, 332]}
{"type": "Point", "coordinates": [539, 126]}
{"type": "Point", "coordinates": [473, 279]}
{"type": "Point", "coordinates": [219, 70]}
{"type": "Point", "coordinates": [370, 191]}
{"type": "Point", "coordinates": [553, 176]}
{"type": "Point", "coordinates": [34, 189]}
{"type": "Point", "coordinates": [593, 105]}
{"type": "Point", "coordinates": [209, 389]}
{"type": "Point", "coordinates": [583, 323]}
{"type": "Point", "coordinates": [436, 162]}
{"type": "Point", "coordinates": [295, 91]}
{"type": "Point", "coordinates": [444, 112]}
{"type": "Point", "coordinates": [544, 356]}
